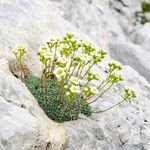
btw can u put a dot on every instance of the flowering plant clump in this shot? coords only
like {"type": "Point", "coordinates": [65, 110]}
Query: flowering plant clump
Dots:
{"type": "Point", "coordinates": [19, 51]}
{"type": "Point", "coordinates": [69, 64]}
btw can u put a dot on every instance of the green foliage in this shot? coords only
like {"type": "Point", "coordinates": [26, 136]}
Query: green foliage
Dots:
{"type": "Point", "coordinates": [141, 16]}
{"type": "Point", "coordinates": [19, 51]}
{"type": "Point", "coordinates": [55, 108]}
{"type": "Point", "coordinates": [65, 87]}
{"type": "Point", "coordinates": [146, 7]}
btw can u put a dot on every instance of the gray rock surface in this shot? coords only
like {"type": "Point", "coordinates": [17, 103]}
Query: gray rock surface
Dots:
{"type": "Point", "coordinates": [20, 24]}
{"type": "Point", "coordinates": [133, 55]}
{"type": "Point", "coordinates": [126, 127]}
{"type": "Point", "coordinates": [93, 19]}
{"type": "Point", "coordinates": [125, 12]}
{"type": "Point", "coordinates": [23, 125]}
{"type": "Point", "coordinates": [109, 19]}
{"type": "Point", "coordinates": [142, 36]}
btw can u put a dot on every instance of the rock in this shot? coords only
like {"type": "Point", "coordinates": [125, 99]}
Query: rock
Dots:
{"type": "Point", "coordinates": [20, 24]}
{"type": "Point", "coordinates": [133, 55]}
{"type": "Point", "coordinates": [142, 36]}
{"type": "Point", "coordinates": [125, 11]}
{"type": "Point", "coordinates": [97, 22]}
{"type": "Point", "coordinates": [125, 127]}
{"type": "Point", "coordinates": [93, 19]}
{"type": "Point", "coordinates": [127, 6]}
{"type": "Point", "coordinates": [23, 125]}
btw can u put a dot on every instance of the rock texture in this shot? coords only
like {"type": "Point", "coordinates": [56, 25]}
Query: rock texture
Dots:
{"type": "Point", "coordinates": [111, 20]}
{"type": "Point", "coordinates": [133, 55]}
{"type": "Point", "coordinates": [93, 19]}
{"type": "Point", "coordinates": [126, 127]}
{"type": "Point", "coordinates": [109, 23]}
{"type": "Point", "coordinates": [23, 125]}
{"type": "Point", "coordinates": [19, 23]}
{"type": "Point", "coordinates": [142, 36]}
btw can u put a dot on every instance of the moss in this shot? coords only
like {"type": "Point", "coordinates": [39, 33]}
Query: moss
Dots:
{"type": "Point", "coordinates": [53, 106]}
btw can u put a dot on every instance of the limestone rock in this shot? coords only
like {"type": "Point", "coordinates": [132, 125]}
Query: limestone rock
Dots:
{"type": "Point", "coordinates": [133, 55]}
{"type": "Point", "coordinates": [93, 19]}
{"type": "Point", "coordinates": [125, 127]}
{"type": "Point", "coordinates": [142, 36]}
{"type": "Point", "coordinates": [23, 125]}
{"type": "Point", "coordinates": [20, 24]}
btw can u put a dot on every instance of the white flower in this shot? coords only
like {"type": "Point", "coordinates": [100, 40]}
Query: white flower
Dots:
{"type": "Point", "coordinates": [75, 89]}
{"type": "Point", "coordinates": [47, 55]}
{"type": "Point", "coordinates": [116, 64]}
{"type": "Point", "coordinates": [94, 54]}
{"type": "Point", "coordinates": [85, 58]}
{"type": "Point", "coordinates": [93, 90]}
{"type": "Point", "coordinates": [68, 62]}
{"type": "Point", "coordinates": [75, 80]}
{"type": "Point", "coordinates": [68, 93]}
{"type": "Point", "coordinates": [66, 87]}
{"type": "Point", "coordinates": [62, 60]}
{"type": "Point", "coordinates": [97, 77]}
{"type": "Point", "coordinates": [59, 73]}
{"type": "Point", "coordinates": [19, 50]}
{"type": "Point", "coordinates": [83, 82]}
{"type": "Point", "coordinates": [43, 49]}
{"type": "Point", "coordinates": [86, 89]}
{"type": "Point", "coordinates": [93, 76]}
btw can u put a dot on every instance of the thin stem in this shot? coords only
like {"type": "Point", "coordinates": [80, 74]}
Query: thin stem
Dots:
{"type": "Point", "coordinates": [87, 70]}
{"type": "Point", "coordinates": [58, 93]}
{"type": "Point", "coordinates": [102, 83]}
{"type": "Point", "coordinates": [101, 111]}
{"type": "Point", "coordinates": [85, 86]}
{"type": "Point", "coordinates": [105, 79]}
{"type": "Point", "coordinates": [100, 89]}
{"type": "Point", "coordinates": [70, 68]}
{"type": "Point", "coordinates": [71, 74]}
{"type": "Point", "coordinates": [71, 61]}
{"type": "Point", "coordinates": [80, 65]}
{"type": "Point", "coordinates": [49, 66]}
{"type": "Point", "coordinates": [19, 60]}
{"type": "Point", "coordinates": [53, 62]}
{"type": "Point", "coordinates": [82, 68]}
{"type": "Point", "coordinates": [101, 94]}
{"type": "Point", "coordinates": [43, 82]}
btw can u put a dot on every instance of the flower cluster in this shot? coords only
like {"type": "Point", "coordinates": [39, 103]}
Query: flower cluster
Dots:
{"type": "Point", "coordinates": [114, 68]}
{"type": "Point", "coordinates": [19, 51]}
{"type": "Point", "coordinates": [129, 94]}
{"type": "Point", "coordinates": [70, 62]}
